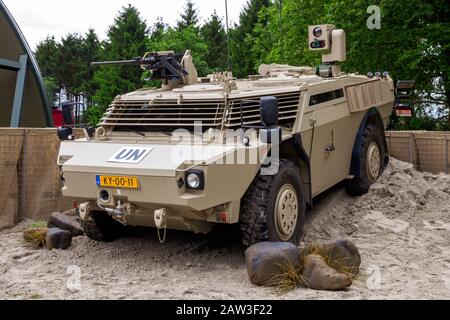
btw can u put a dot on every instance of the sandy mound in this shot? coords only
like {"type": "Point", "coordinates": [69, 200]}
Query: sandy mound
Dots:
{"type": "Point", "coordinates": [402, 228]}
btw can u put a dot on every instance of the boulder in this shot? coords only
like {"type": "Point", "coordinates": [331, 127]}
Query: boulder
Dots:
{"type": "Point", "coordinates": [319, 276]}
{"type": "Point", "coordinates": [58, 239]}
{"type": "Point", "coordinates": [268, 259]}
{"type": "Point", "coordinates": [346, 254]}
{"type": "Point", "coordinates": [31, 234]}
{"type": "Point", "coordinates": [341, 254]}
{"type": "Point", "coordinates": [65, 222]}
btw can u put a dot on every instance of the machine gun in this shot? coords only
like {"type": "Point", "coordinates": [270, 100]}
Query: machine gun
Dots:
{"type": "Point", "coordinates": [167, 66]}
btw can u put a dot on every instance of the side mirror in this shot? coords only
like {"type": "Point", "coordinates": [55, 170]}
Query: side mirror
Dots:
{"type": "Point", "coordinates": [269, 111]}
{"type": "Point", "coordinates": [65, 134]}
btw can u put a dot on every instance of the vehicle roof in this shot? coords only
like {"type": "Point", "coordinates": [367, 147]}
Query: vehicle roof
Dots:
{"type": "Point", "coordinates": [275, 84]}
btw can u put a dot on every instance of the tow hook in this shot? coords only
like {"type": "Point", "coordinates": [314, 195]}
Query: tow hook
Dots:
{"type": "Point", "coordinates": [161, 224]}
{"type": "Point", "coordinates": [118, 211]}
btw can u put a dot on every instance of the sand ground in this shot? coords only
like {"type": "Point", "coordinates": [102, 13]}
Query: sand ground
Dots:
{"type": "Point", "coordinates": [402, 228]}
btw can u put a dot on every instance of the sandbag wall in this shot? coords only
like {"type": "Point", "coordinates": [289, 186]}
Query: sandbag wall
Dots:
{"type": "Point", "coordinates": [10, 151]}
{"type": "Point", "coordinates": [31, 187]}
{"type": "Point", "coordinates": [427, 151]}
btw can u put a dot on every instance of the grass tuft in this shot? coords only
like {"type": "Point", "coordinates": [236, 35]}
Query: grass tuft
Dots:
{"type": "Point", "coordinates": [38, 224]}
{"type": "Point", "coordinates": [38, 240]}
{"type": "Point", "coordinates": [288, 280]}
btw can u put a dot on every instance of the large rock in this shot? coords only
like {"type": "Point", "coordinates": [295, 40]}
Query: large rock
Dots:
{"type": "Point", "coordinates": [58, 239]}
{"type": "Point", "coordinates": [342, 255]}
{"type": "Point", "coordinates": [268, 259]}
{"type": "Point", "coordinates": [319, 276]}
{"type": "Point", "coordinates": [65, 222]}
{"type": "Point", "coordinates": [31, 234]}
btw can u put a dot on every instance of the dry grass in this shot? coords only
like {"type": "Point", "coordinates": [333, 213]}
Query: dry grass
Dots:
{"type": "Point", "coordinates": [288, 280]}
{"type": "Point", "coordinates": [38, 239]}
{"type": "Point", "coordinates": [339, 265]}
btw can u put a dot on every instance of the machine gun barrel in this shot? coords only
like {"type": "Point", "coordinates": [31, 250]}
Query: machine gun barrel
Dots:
{"type": "Point", "coordinates": [120, 62]}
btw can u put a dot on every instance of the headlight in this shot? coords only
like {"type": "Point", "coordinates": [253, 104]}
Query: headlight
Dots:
{"type": "Point", "coordinates": [195, 179]}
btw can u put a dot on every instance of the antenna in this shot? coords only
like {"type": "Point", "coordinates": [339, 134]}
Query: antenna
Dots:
{"type": "Point", "coordinates": [228, 36]}
{"type": "Point", "coordinates": [281, 31]}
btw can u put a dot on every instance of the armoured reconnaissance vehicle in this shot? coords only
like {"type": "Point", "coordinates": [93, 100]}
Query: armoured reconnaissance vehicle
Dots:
{"type": "Point", "coordinates": [216, 150]}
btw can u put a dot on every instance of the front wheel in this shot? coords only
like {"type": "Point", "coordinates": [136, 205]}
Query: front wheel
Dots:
{"type": "Point", "coordinates": [273, 208]}
{"type": "Point", "coordinates": [372, 162]}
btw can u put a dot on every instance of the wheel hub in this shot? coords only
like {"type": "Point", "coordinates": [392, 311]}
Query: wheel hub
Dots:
{"type": "Point", "coordinates": [373, 164]}
{"type": "Point", "coordinates": [286, 212]}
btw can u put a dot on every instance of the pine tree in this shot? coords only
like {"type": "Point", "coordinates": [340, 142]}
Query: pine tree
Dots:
{"type": "Point", "coordinates": [47, 56]}
{"type": "Point", "coordinates": [127, 38]}
{"type": "Point", "coordinates": [213, 32]}
{"type": "Point", "coordinates": [189, 18]}
{"type": "Point", "coordinates": [70, 64]}
{"type": "Point", "coordinates": [91, 51]}
{"type": "Point", "coordinates": [158, 29]}
{"type": "Point", "coordinates": [241, 38]}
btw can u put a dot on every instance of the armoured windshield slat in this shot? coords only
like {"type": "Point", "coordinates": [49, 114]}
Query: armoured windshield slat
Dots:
{"type": "Point", "coordinates": [160, 114]}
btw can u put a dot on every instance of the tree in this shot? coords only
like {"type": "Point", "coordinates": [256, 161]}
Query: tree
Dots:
{"type": "Point", "coordinates": [242, 39]}
{"type": "Point", "coordinates": [91, 51]}
{"type": "Point", "coordinates": [189, 18]}
{"type": "Point", "coordinates": [47, 56]}
{"type": "Point", "coordinates": [180, 41]}
{"type": "Point", "coordinates": [70, 64]}
{"type": "Point", "coordinates": [51, 88]}
{"type": "Point", "coordinates": [158, 29]}
{"type": "Point", "coordinates": [214, 35]}
{"type": "Point", "coordinates": [127, 38]}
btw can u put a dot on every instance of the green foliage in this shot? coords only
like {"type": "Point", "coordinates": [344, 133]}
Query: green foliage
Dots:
{"type": "Point", "coordinates": [188, 19]}
{"type": "Point", "coordinates": [94, 115]}
{"type": "Point", "coordinates": [70, 63]}
{"type": "Point", "coordinates": [180, 41]}
{"type": "Point", "coordinates": [243, 39]}
{"type": "Point", "coordinates": [214, 35]}
{"type": "Point", "coordinates": [52, 89]}
{"type": "Point", "coordinates": [127, 38]}
{"type": "Point", "coordinates": [46, 55]}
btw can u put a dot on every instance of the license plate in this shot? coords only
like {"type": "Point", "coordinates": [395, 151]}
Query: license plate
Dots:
{"type": "Point", "coordinates": [118, 182]}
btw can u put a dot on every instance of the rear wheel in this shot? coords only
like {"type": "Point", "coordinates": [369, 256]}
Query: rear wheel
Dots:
{"type": "Point", "coordinates": [273, 208]}
{"type": "Point", "coordinates": [101, 227]}
{"type": "Point", "coordinates": [372, 162]}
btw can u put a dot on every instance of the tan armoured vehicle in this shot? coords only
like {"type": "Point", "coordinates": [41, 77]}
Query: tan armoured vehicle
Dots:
{"type": "Point", "coordinates": [217, 150]}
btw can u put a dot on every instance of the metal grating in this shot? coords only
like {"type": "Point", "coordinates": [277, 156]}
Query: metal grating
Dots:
{"type": "Point", "coordinates": [288, 104]}
{"type": "Point", "coordinates": [170, 114]}
{"type": "Point", "coordinates": [165, 113]}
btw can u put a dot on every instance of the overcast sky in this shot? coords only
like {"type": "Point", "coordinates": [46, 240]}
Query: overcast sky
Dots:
{"type": "Point", "coordinates": [40, 18]}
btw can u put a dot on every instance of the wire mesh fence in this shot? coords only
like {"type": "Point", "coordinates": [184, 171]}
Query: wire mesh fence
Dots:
{"type": "Point", "coordinates": [10, 148]}
{"type": "Point", "coordinates": [31, 185]}
{"type": "Point", "coordinates": [427, 151]}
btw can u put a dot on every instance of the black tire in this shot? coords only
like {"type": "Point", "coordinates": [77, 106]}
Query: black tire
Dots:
{"type": "Point", "coordinates": [101, 227]}
{"type": "Point", "coordinates": [258, 220]}
{"type": "Point", "coordinates": [361, 185]}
